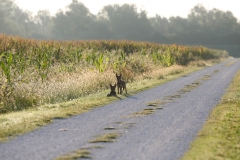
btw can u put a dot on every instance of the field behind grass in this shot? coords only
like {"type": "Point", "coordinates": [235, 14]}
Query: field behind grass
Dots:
{"type": "Point", "coordinates": [220, 137]}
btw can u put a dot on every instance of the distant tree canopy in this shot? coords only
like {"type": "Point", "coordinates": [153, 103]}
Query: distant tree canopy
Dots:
{"type": "Point", "coordinates": [117, 22]}
{"type": "Point", "coordinates": [74, 23]}
{"type": "Point", "coordinates": [124, 22]}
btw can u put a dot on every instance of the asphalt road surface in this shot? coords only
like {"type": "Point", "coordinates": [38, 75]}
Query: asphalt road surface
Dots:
{"type": "Point", "coordinates": [157, 124]}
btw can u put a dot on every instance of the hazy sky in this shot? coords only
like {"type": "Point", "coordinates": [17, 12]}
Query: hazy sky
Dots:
{"type": "Point", "coordinates": [166, 8]}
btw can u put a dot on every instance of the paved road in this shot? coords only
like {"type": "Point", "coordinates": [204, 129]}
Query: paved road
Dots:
{"type": "Point", "coordinates": [163, 134]}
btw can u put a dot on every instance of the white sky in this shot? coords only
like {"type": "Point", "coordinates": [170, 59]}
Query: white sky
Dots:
{"type": "Point", "coordinates": [166, 8]}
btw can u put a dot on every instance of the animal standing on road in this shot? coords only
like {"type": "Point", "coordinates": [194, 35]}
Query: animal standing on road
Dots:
{"type": "Point", "coordinates": [121, 84]}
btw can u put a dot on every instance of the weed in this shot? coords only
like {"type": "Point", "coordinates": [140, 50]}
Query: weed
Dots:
{"type": "Point", "coordinates": [155, 103]}
{"type": "Point", "coordinates": [144, 112]}
{"type": "Point", "coordinates": [78, 154]}
{"type": "Point", "coordinates": [106, 138]}
{"type": "Point", "coordinates": [109, 128]}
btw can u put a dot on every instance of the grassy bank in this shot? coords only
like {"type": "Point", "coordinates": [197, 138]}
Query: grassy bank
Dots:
{"type": "Point", "coordinates": [220, 137]}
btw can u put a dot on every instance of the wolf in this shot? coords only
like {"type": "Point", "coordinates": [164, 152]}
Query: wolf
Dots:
{"type": "Point", "coordinates": [121, 84]}
{"type": "Point", "coordinates": [112, 92]}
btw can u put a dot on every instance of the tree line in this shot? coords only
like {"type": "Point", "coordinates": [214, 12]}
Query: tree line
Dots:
{"type": "Point", "coordinates": [117, 22]}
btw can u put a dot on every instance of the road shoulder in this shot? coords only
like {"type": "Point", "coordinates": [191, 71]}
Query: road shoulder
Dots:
{"type": "Point", "coordinates": [219, 138]}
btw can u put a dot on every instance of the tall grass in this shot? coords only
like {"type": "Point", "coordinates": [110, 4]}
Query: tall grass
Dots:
{"type": "Point", "coordinates": [38, 72]}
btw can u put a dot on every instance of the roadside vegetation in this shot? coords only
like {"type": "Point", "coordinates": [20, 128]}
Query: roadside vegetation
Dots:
{"type": "Point", "coordinates": [43, 80]}
{"type": "Point", "coordinates": [220, 136]}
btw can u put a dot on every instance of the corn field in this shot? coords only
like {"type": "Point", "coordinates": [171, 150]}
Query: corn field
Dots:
{"type": "Point", "coordinates": [29, 69]}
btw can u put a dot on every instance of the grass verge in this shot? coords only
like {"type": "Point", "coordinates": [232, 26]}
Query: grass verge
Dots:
{"type": "Point", "coordinates": [16, 123]}
{"type": "Point", "coordinates": [220, 137]}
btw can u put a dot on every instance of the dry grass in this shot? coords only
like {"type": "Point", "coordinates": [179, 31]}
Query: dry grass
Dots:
{"type": "Point", "coordinates": [66, 86]}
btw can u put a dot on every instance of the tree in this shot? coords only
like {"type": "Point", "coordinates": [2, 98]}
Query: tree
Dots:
{"type": "Point", "coordinates": [126, 23]}
{"type": "Point", "coordinates": [14, 21]}
{"type": "Point", "coordinates": [74, 23]}
{"type": "Point", "coordinates": [212, 27]}
{"type": "Point", "coordinates": [8, 24]}
{"type": "Point", "coordinates": [44, 24]}
{"type": "Point", "coordinates": [160, 25]}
